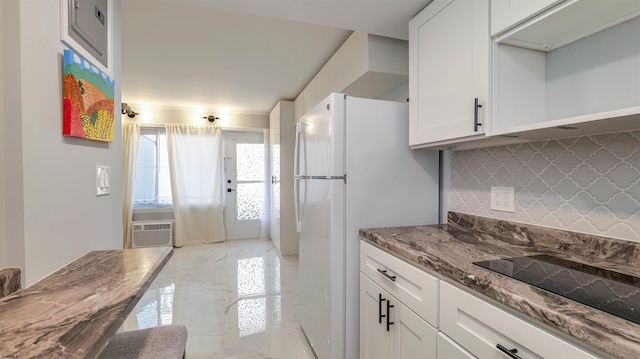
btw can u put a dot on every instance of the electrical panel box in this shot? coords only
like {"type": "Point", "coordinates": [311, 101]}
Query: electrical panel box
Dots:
{"type": "Point", "coordinates": [88, 26]}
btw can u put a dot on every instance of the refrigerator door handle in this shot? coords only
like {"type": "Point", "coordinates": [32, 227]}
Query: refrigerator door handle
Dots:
{"type": "Point", "coordinates": [296, 203]}
{"type": "Point", "coordinates": [301, 139]}
{"type": "Point", "coordinates": [344, 178]}
{"type": "Point", "coordinates": [299, 207]}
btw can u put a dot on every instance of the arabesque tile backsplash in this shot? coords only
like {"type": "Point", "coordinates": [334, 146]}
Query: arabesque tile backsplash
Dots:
{"type": "Point", "coordinates": [587, 184]}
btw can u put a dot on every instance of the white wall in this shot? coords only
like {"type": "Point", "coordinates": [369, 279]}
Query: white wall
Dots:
{"type": "Point", "coordinates": [13, 229]}
{"type": "Point", "coordinates": [52, 213]}
{"type": "Point", "coordinates": [153, 115]}
{"type": "Point", "coordinates": [3, 250]}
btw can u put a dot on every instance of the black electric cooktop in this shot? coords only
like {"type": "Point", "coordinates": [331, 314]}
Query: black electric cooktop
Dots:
{"type": "Point", "coordinates": [612, 292]}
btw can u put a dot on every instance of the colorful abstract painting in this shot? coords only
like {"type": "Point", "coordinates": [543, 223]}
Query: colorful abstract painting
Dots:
{"type": "Point", "coordinates": [88, 100]}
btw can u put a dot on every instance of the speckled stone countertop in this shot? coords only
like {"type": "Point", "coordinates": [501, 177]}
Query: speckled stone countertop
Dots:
{"type": "Point", "coordinates": [450, 250]}
{"type": "Point", "coordinates": [75, 311]}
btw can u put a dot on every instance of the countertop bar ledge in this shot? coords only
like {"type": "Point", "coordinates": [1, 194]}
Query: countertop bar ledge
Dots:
{"type": "Point", "coordinates": [74, 312]}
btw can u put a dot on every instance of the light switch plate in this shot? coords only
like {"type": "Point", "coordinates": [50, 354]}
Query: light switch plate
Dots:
{"type": "Point", "coordinates": [503, 199]}
{"type": "Point", "coordinates": [102, 180]}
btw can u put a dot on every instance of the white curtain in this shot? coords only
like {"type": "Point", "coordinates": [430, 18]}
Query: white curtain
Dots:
{"type": "Point", "coordinates": [130, 138]}
{"type": "Point", "coordinates": [195, 166]}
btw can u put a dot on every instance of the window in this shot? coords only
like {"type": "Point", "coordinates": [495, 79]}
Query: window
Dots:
{"type": "Point", "coordinates": [250, 173]}
{"type": "Point", "coordinates": [153, 183]}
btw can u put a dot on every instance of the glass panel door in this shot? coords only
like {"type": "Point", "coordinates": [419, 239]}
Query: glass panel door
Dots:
{"type": "Point", "coordinates": [245, 179]}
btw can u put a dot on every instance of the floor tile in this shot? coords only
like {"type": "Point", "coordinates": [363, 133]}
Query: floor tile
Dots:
{"type": "Point", "coordinates": [238, 299]}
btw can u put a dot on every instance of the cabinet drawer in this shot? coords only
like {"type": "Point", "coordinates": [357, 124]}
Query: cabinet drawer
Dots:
{"type": "Point", "coordinates": [448, 349]}
{"type": "Point", "coordinates": [479, 327]}
{"type": "Point", "coordinates": [414, 287]}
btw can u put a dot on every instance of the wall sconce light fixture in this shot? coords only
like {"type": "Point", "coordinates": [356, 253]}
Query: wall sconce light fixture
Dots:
{"type": "Point", "coordinates": [126, 110]}
{"type": "Point", "coordinates": [211, 118]}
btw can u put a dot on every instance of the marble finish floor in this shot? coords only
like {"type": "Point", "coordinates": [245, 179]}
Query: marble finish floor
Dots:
{"type": "Point", "coordinates": [238, 299]}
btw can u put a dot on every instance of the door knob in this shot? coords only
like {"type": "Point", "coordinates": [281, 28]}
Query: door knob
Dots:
{"type": "Point", "coordinates": [228, 181]}
{"type": "Point", "coordinates": [230, 190]}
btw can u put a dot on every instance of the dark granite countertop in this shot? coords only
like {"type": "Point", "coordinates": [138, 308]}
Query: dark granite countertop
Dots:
{"type": "Point", "coordinates": [74, 312]}
{"type": "Point", "coordinates": [451, 249]}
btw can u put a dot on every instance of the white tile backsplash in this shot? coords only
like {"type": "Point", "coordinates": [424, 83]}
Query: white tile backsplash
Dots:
{"type": "Point", "coordinates": [587, 184]}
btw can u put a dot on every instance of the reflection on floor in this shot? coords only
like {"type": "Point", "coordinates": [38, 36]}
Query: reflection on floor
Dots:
{"type": "Point", "coordinates": [238, 299]}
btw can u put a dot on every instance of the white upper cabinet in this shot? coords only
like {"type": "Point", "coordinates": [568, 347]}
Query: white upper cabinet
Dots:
{"type": "Point", "coordinates": [569, 21]}
{"type": "Point", "coordinates": [449, 49]}
{"type": "Point", "coordinates": [552, 69]}
{"type": "Point", "coordinates": [587, 87]}
{"type": "Point", "coordinates": [507, 13]}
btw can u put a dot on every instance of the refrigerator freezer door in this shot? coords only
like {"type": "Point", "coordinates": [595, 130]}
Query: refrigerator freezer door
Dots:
{"type": "Point", "coordinates": [320, 139]}
{"type": "Point", "coordinates": [319, 149]}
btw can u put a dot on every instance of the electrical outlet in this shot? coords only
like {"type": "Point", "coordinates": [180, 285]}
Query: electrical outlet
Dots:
{"type": "Point", "coordinates": [503, 199]}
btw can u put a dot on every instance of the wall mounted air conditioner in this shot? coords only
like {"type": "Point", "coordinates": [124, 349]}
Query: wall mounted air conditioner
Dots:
{"type": "Point", "coordinates": [152, 234]}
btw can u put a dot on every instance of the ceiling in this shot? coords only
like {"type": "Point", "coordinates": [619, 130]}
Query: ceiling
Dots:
{"type": "Point", "coordinates": [241, 56]}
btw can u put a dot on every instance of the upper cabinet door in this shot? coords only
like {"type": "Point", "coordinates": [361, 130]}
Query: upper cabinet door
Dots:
{"type": "Point", "coordinates": [449, 46]}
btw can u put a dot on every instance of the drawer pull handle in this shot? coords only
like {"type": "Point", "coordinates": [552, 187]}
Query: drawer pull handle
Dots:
{"type": "Point", "coordinates": [510, 352]}
{"type": "Point", "coordinates": [380, 315]}
{"type": "Point", "coordinates": [384, 273]}
{"type": "Point", "coordinates": [476, 124]}
{"type": "Point", "coordinates": [389, 306]}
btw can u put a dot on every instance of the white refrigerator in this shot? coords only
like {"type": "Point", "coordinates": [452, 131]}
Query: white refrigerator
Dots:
{"type": "Point", "coordinates": [353, 169]}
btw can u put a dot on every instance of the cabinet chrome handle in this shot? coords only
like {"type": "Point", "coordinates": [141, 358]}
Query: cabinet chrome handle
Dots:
{"type": "Point", "coordinates": [380, 315]}
{"type": "Point", "coordinates": [384, 273]}
{"type": "Point", "coordinates": [476, 124]}
{"type": "Point", "coordinates": [389, 306]}
{"type": "Point", "coordinates": [510, 352]}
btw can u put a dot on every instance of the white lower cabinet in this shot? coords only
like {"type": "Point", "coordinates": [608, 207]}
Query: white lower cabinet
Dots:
{"type": "Point", "coordinates": [388, 329]}
{"type": "Point", "coordinates": [405, 312]}
{"type": "Point", "coordinates": [374, 338]}
{"type": "Point", "coordinates": [414, 287]}
{"type": "Point", "coordinates": [448, 349]}
{"type": "Point", "coordinates": [483, 329]}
